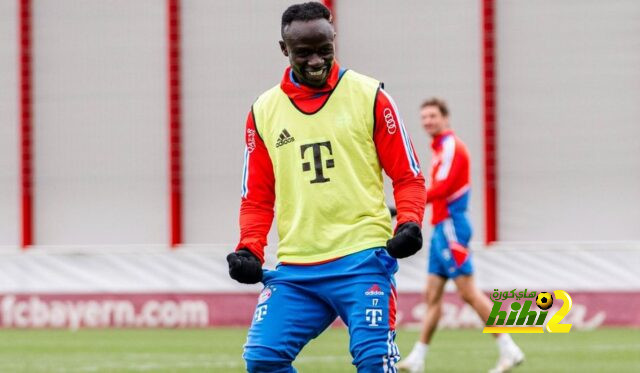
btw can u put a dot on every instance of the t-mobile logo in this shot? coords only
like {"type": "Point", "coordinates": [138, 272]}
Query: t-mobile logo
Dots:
{"type": "Point", "coordinates": [318, 165]}
{"type": "Point", "coordinates": [260, 312]}
{"type": "Point", "coordinates": [373, 316]}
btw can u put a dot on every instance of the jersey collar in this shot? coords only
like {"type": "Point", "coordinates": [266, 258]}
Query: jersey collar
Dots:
{"type": "Point", "coordinates": [438, 139]}
{"type": "Point", "coordinates": [297, 91]}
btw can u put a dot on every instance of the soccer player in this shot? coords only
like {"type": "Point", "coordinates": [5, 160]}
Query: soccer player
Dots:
{"type": "Point", "coordinates": [449, 255]}
{"type": "Point", "coordinates": [316, 146]}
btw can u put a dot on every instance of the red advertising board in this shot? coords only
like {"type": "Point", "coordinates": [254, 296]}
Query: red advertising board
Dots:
{"type": "Point", "coordinates": [201, 310]}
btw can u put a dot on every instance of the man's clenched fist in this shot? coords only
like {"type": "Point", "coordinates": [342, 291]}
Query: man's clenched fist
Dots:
{"type": "Point", "coordinates": [406, 242]}
{"type": "Point", "coordinates": [244, 267]}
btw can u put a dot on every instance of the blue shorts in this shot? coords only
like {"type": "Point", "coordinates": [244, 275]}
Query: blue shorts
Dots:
{"type": "Point", "coordinates": [298, 302]}
{"type": "Point", "coordinates": [449, 254]}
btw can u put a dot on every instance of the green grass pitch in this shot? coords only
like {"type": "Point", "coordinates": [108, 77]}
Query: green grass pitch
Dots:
{"type": "Point", "coordinates": [219, 350]}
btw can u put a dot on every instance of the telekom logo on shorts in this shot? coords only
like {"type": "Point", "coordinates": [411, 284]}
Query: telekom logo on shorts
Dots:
{"type": "Point", "coordinates": [260, 312]}
{"type": "Point", "coordinates": [391, 123]}
{"type": "Point", "coordinates": [373, 316]}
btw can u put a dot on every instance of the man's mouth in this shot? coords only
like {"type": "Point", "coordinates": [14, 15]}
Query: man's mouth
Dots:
{"type": "Point", "coordinates": [316, 74]}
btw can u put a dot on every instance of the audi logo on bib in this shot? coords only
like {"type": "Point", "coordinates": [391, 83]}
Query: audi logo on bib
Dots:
{"type": "Point", "coordinates": [391, 123]}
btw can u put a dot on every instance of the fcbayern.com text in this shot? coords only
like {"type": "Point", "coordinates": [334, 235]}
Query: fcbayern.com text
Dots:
{"type": "Point", "coordinates": [33, 312]}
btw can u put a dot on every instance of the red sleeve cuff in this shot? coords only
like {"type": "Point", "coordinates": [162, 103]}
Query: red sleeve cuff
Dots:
{"type": "Point", "coordinates": [398, 224]}
{"type": "Point", "coordinates": [256, 249]}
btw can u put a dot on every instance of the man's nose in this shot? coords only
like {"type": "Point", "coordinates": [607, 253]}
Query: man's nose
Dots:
{"type": "Point", "coordinates": [315, 60]}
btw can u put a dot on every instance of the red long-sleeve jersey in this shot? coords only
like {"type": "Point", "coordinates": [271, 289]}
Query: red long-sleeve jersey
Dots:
{"type": "Point", "coordinates": [450, 182]}
{"type": "Point", "coordinates": [393, 146]}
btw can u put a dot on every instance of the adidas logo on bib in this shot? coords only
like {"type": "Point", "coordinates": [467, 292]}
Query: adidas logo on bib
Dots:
{"type": "Point", "coordinates": [284, 138]}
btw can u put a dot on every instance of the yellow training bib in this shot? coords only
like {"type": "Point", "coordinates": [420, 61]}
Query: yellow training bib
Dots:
{"type": "Point", "coordinates": [329, 190]}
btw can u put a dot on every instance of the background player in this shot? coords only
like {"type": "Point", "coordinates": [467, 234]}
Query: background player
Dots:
{"type": "Point", "coordinates": [316, 145]}
{"type": "Point", "coordinates": [449, 255]}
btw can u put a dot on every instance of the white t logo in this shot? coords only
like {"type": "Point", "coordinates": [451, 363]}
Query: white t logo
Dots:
{"type": "Point", "coordinates": [260, 312]}
{"type": "Point", "coordinates": [373, 316]}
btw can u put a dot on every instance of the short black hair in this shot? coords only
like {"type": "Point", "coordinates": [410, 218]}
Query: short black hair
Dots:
{"type": "Point", "coordinates": [304, 12]}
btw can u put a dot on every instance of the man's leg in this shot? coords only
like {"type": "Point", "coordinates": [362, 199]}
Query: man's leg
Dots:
{"type": "Point", "coordinates": [470, 293]}
{"type": "Point", "coordinates": [366, 302]}
{"type": "Point", "coordinates": [371, 323]}
{"type": "Point", "coordinates": [436, 279]}
{"type": "Point", "coordinates": [433, 299]}
{"type": "Point", "coordinates": [510, 353]}
{"type": "Point", "coordinates": [287, 316]}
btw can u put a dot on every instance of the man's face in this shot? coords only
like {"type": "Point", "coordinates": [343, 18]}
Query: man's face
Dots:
{"type": "Point", "coordinates": [433, 121]}
{"type": "Point", "coordinates": [309, 46]}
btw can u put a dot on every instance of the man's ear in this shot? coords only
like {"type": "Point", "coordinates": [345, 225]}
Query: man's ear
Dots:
{"type": "Point", "coordinates": [283, 48]}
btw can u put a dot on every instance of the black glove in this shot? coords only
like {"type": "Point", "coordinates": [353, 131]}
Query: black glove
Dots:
{"type": "Point", "coordinates": [406, 242]}
{"type": "Point", "coordinates": [244, 267]}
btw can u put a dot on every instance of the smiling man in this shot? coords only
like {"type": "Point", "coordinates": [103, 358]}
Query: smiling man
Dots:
{"type": "Point", "coordinates": [316, 146]}
{"type": "Point", "coordinates": [449, 254]}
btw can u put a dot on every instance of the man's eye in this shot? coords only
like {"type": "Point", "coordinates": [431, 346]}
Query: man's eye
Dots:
{"type": "Point", "coordinates": [302, 53]}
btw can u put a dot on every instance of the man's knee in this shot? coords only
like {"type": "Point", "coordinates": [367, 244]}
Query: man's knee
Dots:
{"type": "Point", "coordinates": [434, 290]}
{"type": "Point", "coordinates": [468, 294]}
{"type": "Point", "coordinates": [467, 288]}
{"type": "Point", "coordinates": [375, 353]}
{"type": "Point", "coordinates": [378, 364]}
{"type": "Point", "coordinates": [433, 299]}
{"type": "Point", "coordinates": [262, 366]}
{"type": "Point", "coordinates": [260, 359]}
